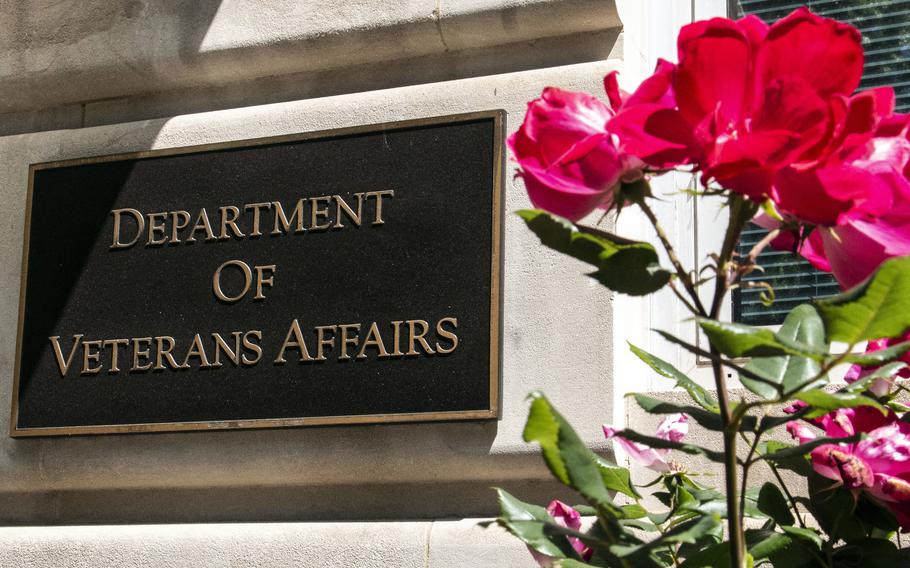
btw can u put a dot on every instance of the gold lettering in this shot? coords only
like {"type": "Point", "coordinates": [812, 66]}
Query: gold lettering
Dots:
{"type": "Point", "coordinates": [396, 338]}
{"type": "Point", "coordinates": [377, 208]}
{"type": "Point", "coordinates": [446, 334]}
{"type": "Point", "coordinates": [373, 339]}
{"type": "Point", "coordinates": [140, 222]}
{"type": "Point", "coordinates": [294, 340]}
{"type": "Point", "coordinates": [346, 340]}
{"type": "Point", "coordinates": [256, 208]}
{"type": "Point", "coordinates": [229, 221]}
{"type": "Point", "coordinates": [197, 350]}
{"type": "Point", "coordinates": [221, 345]}
{"type": "Point", "coordinates": [418, 337]}
{"type": "Point", "coordinates": [283, 221]}
{"type": "Point", "coordinates": [260, 279]}
{"type": "Point", "coordinates": [166, 353]}
{"type": "Point", "coordinates": [340, 206]}
{"type": "Point", "coordinates": [88, 356]}
{"type": "Point", "coordinates": [252, 346]}
{"type": "Point", "coordinates": [115, 344]}
{"type": "Point", "coordinates": [202, 224]}
{"type": "Point", "coordinates": [316, 212]}
{"type": "Point", "coordinates": [247, 279]}
{"type": "Point", "coordinates": [322, 341]}
{"type": "Point", "coordinates": [64, 365]}
{"type": "Point", "coordinates": [177, 225]}
{"type": "Point", "coordinates": [137, 353]}
{"type": "Point", "coordinates": [157, 227]}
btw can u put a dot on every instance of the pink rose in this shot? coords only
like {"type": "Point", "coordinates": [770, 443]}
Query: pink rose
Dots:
{"type": "Point", "coordinates": [570, 164]}
{"type": "Point", "coordinates": [880, 387]}
{"type": "Point", "coordinates": [564, 516]}
{"type": "Point", "coordinates": [860, 195]}
{"type": "Point", "coordinates": [878, 465]}
{"type": "Point", "coordinates": [673, 428]}
{"type": "Point", "coordinates": [750, 99]}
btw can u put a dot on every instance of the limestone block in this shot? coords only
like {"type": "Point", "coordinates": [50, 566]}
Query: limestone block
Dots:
{"type": "Point", "coordinates": [557, 337]}
{"type": "Point", "coordinates": [55, 52]}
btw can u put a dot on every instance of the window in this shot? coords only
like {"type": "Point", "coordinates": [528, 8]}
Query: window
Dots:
{"type": "Point", "coordinates": [884, 25]}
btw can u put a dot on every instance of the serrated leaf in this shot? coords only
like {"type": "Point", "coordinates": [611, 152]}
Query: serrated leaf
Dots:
{"type": "Point", "coordinates": [654, 442]}
{"type": "Point", "coordinates": [808, 535]}
{"type": "Point", "coordinates": [543, 428]}
{"type": "Point", "coordinates": [688, 533]}
{"type": "Point", "coordinates": [788, 372]}
{"type": "Point", "coordinates": [514, 517]}
{"type": "Point", "coordinates": [771, 501]}
{"type": "Point", "coordinates": [616, 478]}
{"type": "Point", "coordinates": [624, 266]}
{"type": "Point", "coordinates": [704, 418]}
{"type": "Point", "coordinates": [803, 449]}
{"type": "Point", "coordinates": [869, 553]}
{"type": "Point", "coordinates": [876, 358]}
{"type": "Point", "coordinates": [573, 463]}
{"type": "Point", "coordinates": [570, 563]}
{"type": "Point", "coordinates": [764, 543]}
{"type": "Point", "coordinates": [884, 372]}
{"type": "Point", "coordinates": [698, 393]}
{"type": "Point", "coordinates": [797, 463]}
{"type": "Point", "coordinates": [718, 554]}
{"type": "Point", "coordinates": [878, 307]}
{"type": "Point", "coordinates": [823, 402]}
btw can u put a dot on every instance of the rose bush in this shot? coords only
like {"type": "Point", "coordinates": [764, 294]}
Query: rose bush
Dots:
{"type": "Point", "coordinates": [766, 117]}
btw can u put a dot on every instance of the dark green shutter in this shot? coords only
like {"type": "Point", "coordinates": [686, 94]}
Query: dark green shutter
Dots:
{"type": "Point", "coordinates": [886, 39]}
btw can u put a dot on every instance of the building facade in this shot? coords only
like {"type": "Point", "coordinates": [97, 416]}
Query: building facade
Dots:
{"type": "Point", "coordinates": [101, 77]}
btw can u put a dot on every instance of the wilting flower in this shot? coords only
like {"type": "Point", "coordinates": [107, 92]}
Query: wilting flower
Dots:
{"type": "Point", "coordinates": [882, 385]}
{"type": "Point", "coordinates": [673, 428]}
{"type": "Point", "coordinates": [570, 164]}
{"type": "Point", "coordinates": [878, 465]}
{"type": "Point", "coordinates": [565, 516]}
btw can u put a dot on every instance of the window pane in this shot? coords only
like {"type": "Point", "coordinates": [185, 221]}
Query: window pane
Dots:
{"type": "Point", "coordinates": [884, 25]}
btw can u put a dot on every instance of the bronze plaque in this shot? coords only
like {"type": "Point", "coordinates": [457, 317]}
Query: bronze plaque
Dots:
{"type": "Point", "coordinates": [341, 277]}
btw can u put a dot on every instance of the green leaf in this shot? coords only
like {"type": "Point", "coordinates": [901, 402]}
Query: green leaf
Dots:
{"type": "Point", "coordinates": [688, 533]}
{"type": "Point", "coordinates": [823, 402]}
{"type": "Point", "coordinates": [795, 463]}
{"type": "Point", "coordinates": [803, 449]}
{"type": "Point", "coordinates": [514, 517]}
{"type": "Point", "coordinates": [771, 501]}
{"type": "Point", "coordinates": [569, 563]}
{"type": "Point", "coordinates": [808, 535]}
{"type": "Point", "coordinates": [743, 372]}
{"type": "Point", "coordinates": [876, 358]}
{"type": "Point", "coordinates": [869, 553]}
{"type": "Point", "coordinates": [567, 456]}
{"type": "Point", "coordinates": [765, 543]}
{"type": "Point", "coordinates": [655, 442]}
{"type": "Point", "coordinates": [787, 373]}
{"type": "Point", "coordinates": [706, 419]}
{"type": "Point", "coordinates": [624, 266]}
{"type": "Point", "coordinates": [718, 554]}
{"type": "Point", "coordinates": [884, 372]}
{"type": "Point", "coordinates": [876, 308]}
{"type": "Point", "coordinates": [739, 340]}
{"type": "Point", "coordinates": [543, 428]}
{"type": "Point", "coordinates": [616, 478]}
{"type": "Point", "coordinates": [833, 507]}
{"type": "Point", "coordinates": [698, 393]}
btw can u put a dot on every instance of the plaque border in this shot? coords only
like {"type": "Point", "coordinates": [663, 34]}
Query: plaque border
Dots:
{"type": "Point", "coordinates": [495, 368]}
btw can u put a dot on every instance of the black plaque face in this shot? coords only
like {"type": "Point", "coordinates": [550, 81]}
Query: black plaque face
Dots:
{"type": "Point", "coordinates": [339, 277]}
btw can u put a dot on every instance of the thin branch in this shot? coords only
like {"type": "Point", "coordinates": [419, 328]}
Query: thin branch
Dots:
{"type": "Point", "coordinates": [674, 259]}
{"type": "Point", "coordinates": [783, 485]}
